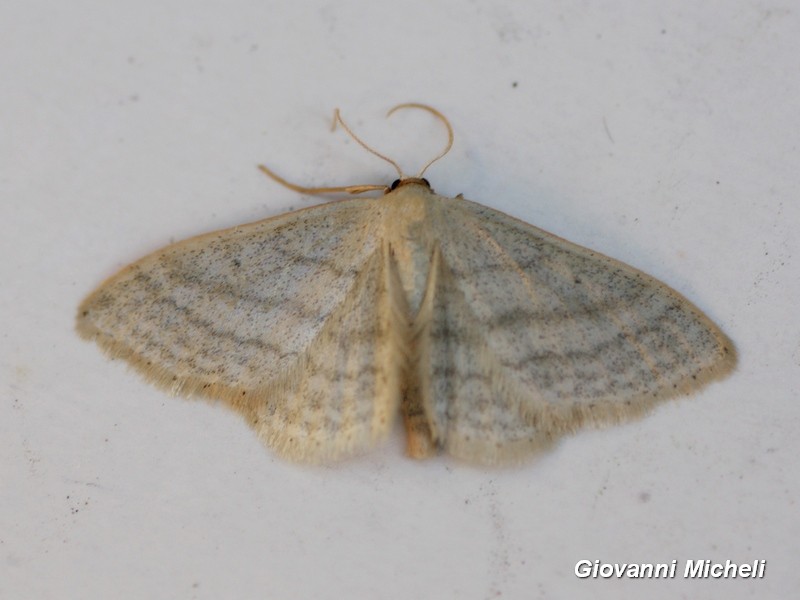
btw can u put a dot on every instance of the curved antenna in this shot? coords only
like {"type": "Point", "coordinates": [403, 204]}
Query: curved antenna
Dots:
{"type": "Point", "coordinates": [337, 118]}
{"type": "Point", "coordinates": [360, 189]}
{"type": "Point", "coordinates": [439, 116]}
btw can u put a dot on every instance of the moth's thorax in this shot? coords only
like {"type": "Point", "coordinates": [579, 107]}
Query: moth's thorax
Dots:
{"type": "Point", "coordinates": [412, 211]}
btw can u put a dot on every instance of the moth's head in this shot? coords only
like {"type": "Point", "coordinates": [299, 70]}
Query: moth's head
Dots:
{"type": "Point", "coordinates": [398, 183]}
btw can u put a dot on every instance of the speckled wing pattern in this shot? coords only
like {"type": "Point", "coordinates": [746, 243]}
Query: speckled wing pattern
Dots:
{"type": "Point", "coordinates": [531, 336]}
{"type": "Point", "coordinates": [492, 337]}
{"type": "Point", "coordinates": [286, 319]}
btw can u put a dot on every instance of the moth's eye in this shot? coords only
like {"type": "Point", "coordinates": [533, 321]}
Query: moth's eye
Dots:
{"type": "Point", "coordinates": [394, 185]}
{"type": "Point", "coordinates": [428, 183]}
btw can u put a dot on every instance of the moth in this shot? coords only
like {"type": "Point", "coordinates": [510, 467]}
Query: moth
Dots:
{"type": "Point", "coordinates": [492, 338]}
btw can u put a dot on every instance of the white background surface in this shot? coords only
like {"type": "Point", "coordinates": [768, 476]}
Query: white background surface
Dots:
{"type": "Point", "coordinates": [666, 134]}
